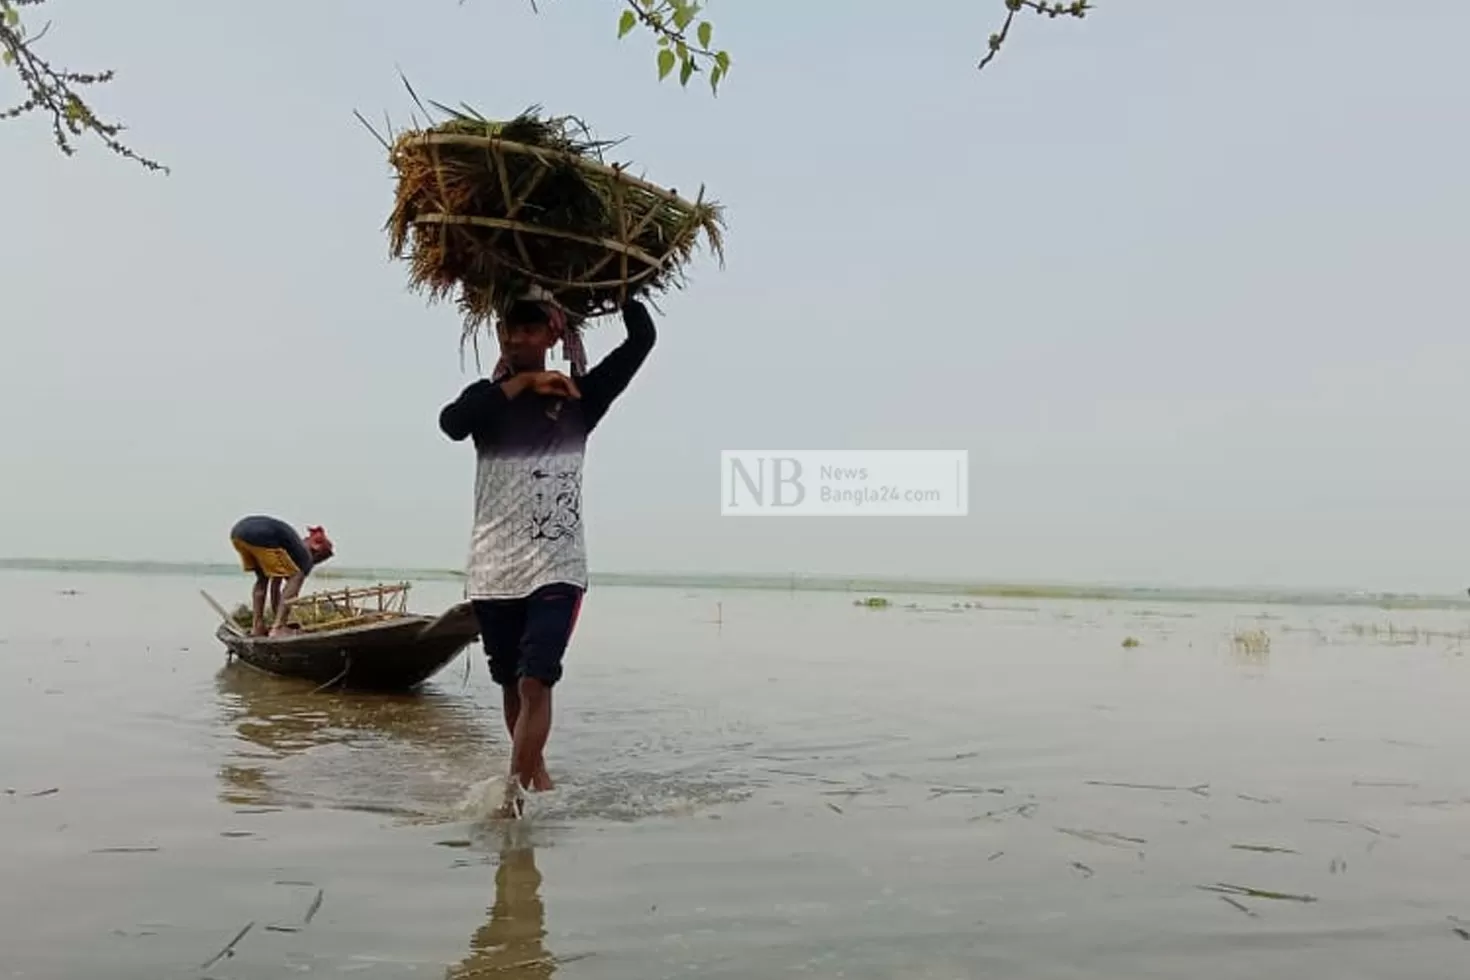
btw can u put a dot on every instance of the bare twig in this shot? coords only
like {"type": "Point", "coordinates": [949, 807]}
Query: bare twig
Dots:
{"type": "Point", "coordinates": [1073, 8]}
{"type": "Point", "coordinates": [56, 91]}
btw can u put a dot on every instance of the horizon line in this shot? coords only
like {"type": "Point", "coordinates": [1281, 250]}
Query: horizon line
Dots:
{"type": "Point", "coordinates": [822, 581]}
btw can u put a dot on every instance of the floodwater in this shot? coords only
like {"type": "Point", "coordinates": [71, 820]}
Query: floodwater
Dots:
{"type": "Point", "coordinates": [752, 784]}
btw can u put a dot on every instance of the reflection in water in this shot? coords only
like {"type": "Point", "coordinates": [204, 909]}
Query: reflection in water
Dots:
{"type": "Point", "coordinates": [512, 943]}
{"type": "Point", "coordinates": [296, 747]}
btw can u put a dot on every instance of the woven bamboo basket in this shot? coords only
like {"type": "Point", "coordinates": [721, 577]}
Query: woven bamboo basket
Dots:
{"type": "Point", "coordinates": [486, 210]}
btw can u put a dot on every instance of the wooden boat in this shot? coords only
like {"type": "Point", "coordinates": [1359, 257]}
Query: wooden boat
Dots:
{"type": "Point", "coordinates": [362, 638]}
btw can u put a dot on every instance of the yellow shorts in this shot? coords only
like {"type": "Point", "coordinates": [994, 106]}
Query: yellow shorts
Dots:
{"type": "Point", "coordinates": [271, 562]}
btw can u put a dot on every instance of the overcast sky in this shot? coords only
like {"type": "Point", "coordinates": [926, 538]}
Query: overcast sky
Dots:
{"type": "Point", "coordinates": [1186, 279]}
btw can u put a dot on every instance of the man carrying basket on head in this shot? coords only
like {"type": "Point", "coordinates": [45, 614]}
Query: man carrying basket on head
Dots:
{"type": "Point", "coordinates": [527, 563]}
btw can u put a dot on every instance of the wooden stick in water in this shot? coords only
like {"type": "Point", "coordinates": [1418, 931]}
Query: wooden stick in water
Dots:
{"type": "Point", "coordinates": [234, 627]}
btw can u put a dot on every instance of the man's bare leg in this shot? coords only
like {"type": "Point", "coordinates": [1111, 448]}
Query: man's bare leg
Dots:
{"type": "Point", "coordinates": [292, 589]}
{"type": "Point", "coordinates": [510, 699]}
{"type": "Point", "coordinates": [257, 603]}
{"type": "Point", "coordinates": [533, 728]}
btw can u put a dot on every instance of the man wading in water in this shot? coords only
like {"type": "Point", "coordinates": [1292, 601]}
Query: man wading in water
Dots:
{"type": "Point", "coordinates": [528, 564]}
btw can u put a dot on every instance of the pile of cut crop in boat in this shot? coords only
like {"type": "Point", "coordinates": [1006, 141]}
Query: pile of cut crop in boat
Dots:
{"type": "Point", "coordinates": [486, 209]}
{"type": "Point", "coordinates": [313, 616]}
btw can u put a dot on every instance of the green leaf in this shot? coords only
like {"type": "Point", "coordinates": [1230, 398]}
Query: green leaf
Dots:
{"type": "Point", "coordinates": [706, 31]}
{"type": "Point", "coordinates": [686, 72]}
{"type": "Point", "coordinates": [683, 50]}
{"type": "Point", "coordinates": [7, 58]}
{"type": "Point", "coordinates": [627, 22]}
{"type": "Point", "coordinates": [723, 60]}
{"type": "Point", "coordinates": [683, 15]}
{"type": "Point", "coordinates": [12, 16]}
{"type": "Point", "coordinates": [665, 63]}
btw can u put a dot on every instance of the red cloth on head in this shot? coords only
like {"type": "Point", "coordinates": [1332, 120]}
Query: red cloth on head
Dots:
{"type": "Point", "coordinates": [569, 336]}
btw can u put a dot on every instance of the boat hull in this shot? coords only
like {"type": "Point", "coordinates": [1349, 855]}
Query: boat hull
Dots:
{"type": "Point", "coordinates": [396, 655]}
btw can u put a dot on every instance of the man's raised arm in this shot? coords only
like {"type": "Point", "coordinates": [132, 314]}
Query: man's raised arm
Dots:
{"type": "Point", "coordinates": [605, 382]}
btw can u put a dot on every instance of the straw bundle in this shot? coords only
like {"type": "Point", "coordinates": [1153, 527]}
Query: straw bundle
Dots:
{"type": "Point", "coordinates": [306, 616]}
{"type": "Point", "coordinates": [487, 209]}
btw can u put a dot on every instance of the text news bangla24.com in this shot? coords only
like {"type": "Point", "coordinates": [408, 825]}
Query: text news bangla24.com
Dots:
{"type": "Point", "coordinates": [845, 483]}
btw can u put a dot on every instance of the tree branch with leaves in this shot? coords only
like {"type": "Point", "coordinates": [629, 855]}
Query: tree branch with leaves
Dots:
{"type": "Point", "coordinates": [670, 20]}
{"type": "Point", "coordinates": [684, 39]}
{"type": "Point", "coordinates": [54, 91]}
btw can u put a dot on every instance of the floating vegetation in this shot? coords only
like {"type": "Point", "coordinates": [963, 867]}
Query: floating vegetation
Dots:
{"type": "Point", "coordinates": [316, 906]}
{"type": "Point", "coordinates": [935, 792]}
{"type": "Point", "coordinates": [1258, 799]}
{"type": "Point", "coordinates": [1129, 642]}
{"type": "Point", "coordinates": [1202, 789]}
{"type": "Point", "coordinates": [1104, 837]}
{"type": "Point", "coordinates": [1023, 810]}
{"type": "Point", "coordinates": [1252, 642]}
{"type": "Point", "coordinates": [873, 602]}
{"type": "Point", "coordinates": [1082, 869]}
{"type": "Point", "coordinates": [1246, 891]}
{"type": "Point", "coordinates": [1241, 906]}
{"type": "Point", "coordinates": [229, 949]}
{"type": "Point", "coordinates": [1391, 634]}
{"type": "Point", "coordinates": [1352, 823]}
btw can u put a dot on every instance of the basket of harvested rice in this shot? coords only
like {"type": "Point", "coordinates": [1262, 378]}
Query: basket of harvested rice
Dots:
{"type": "Point", "coordinates": [487, 211]}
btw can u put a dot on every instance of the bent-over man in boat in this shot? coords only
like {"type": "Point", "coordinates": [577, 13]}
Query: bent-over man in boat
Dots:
{"type": "Point", "coordinates": [527, 564]}
{"type": "Point", "coordinates": [281, 559]}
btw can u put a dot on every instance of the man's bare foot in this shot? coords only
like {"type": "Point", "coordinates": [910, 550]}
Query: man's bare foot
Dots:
{"type": "Point", "coordinates": [541, 781]}
{"type": "Point", "coordinates": [514, 805]}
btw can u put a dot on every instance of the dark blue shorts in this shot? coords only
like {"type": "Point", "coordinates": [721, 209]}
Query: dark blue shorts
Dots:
{"type": "Point", "coordinates": [528, 637]}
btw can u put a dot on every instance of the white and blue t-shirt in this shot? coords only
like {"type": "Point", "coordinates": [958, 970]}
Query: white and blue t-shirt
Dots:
{"type": "Point", "coordinates": [528, 476]}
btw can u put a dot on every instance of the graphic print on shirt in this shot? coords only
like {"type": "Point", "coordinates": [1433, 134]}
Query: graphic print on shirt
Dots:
{"type": "Point", "coordinates": [556, 503]}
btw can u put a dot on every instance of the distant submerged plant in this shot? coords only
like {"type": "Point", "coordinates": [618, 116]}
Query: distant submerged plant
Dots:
{"type": "Point", "coordinates": [1255, 642]}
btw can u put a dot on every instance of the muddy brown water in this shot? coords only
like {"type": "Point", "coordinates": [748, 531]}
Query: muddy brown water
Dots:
{"type": "Point", "coordinates": [805, 788]}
